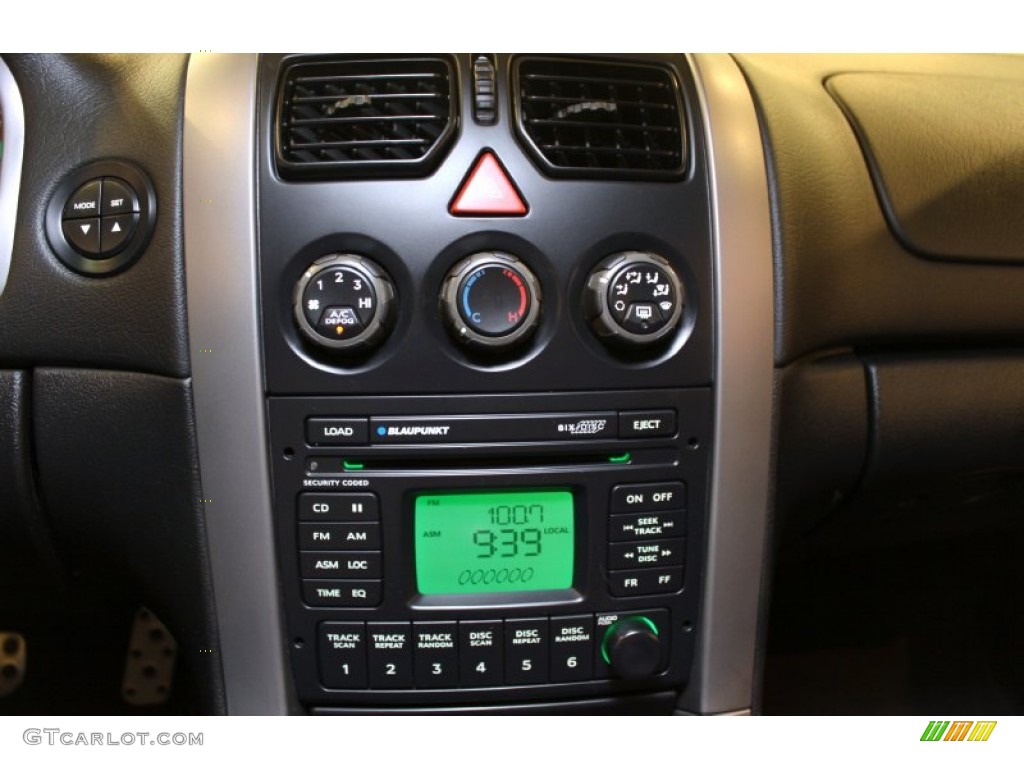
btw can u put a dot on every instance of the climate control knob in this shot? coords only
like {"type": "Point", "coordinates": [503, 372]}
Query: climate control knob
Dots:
{"type": "Point", "coordinates": [491, 301]}
{"type": "Point", "coordinates": [632, 648]}
{"type": "Point", "coordinates": [634, 298]}
{"type": "Point", "coordinates": [344, 302]}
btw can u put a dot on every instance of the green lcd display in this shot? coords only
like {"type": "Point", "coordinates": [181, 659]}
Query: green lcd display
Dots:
{"type": "Point", "coordinates": [494, 541]}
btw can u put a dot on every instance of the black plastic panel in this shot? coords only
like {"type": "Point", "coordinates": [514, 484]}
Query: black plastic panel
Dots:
{"type": "Point", "coordinates": [647, 704]}
{"type": "Point", "coordinates": [935, 417]}
{"type": "Point", "coordinates": [118, 476]}
{"type": "Point", "coordinates": [823, 437]}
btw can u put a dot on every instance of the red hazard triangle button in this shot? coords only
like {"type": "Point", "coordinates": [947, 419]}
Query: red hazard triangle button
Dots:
{"type": "Point", "coordinates": [487, 190]}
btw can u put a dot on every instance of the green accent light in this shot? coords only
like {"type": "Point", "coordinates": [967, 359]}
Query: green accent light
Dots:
{"type": "Point", "coordinates": [621, 458]}
{"type": "Point", "coordinates": [494, 542]}
{"type": "Point", "coordinates": [604, 640]}
{"type": "Point", "coordinates": [352, 466]}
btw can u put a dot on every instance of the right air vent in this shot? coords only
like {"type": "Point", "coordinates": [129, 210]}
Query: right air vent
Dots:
{"type": "Point", "coordinates": [600, 119]}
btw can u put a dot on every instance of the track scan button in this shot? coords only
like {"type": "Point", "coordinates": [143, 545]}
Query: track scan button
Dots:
{"type": "Point", "coordinates": [341, 647]}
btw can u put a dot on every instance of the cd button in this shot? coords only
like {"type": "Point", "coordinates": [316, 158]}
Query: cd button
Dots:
{"type": "Point", "coordinates": [349, 507]}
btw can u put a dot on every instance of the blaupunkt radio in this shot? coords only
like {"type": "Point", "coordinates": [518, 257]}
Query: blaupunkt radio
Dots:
{"type": "Point", "coordinates": [499, 548]}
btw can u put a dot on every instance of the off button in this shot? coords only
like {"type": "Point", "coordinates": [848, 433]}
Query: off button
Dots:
{"type": "Point", "coordinates": [648, 497]}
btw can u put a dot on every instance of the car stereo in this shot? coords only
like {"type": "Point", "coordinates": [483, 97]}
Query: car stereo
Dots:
{"type": "Point", "coordinates": [510, 548]}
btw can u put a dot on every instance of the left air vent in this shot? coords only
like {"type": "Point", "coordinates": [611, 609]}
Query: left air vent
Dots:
{"type": "Point", "coordinates": [346, 118]}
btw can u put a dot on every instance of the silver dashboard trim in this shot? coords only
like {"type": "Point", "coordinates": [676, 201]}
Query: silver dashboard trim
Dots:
{"type": "Point", "coordinates": [741, 229]}
{"type": "Point", "coordinates": [10, 166]}
{"type": "Point", "coordinates": [221, 277]}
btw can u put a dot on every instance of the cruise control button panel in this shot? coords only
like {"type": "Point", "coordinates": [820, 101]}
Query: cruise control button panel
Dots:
{"type": "Point", "coordinates": [101, 217]}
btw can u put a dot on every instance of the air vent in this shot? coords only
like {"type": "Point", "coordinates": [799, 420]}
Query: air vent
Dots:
{"type": "Point", "coordinates": [600, 119]}
{"type": "Point", "coordinates": [365, 117]}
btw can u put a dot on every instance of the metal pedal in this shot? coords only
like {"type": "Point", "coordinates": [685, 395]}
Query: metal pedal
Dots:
{"type": "Point", "coordinates": [13, 653]}
{"type": "Point", "coordinates": [149, 666]}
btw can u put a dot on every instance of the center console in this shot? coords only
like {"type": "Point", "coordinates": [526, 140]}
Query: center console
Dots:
{"type": "Point", "coordinates": [485, 329]}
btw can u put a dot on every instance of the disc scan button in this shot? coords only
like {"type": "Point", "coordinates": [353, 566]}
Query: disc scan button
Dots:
{"type": "Point", "coordinates": [337, 431]}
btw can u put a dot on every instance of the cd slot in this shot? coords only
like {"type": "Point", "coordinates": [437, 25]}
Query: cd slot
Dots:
{"type": "Point", "coordinates": [582, 460]}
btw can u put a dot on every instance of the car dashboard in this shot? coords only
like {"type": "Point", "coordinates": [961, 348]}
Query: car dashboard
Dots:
{"type": "Point", "coordinates": [510, 383]}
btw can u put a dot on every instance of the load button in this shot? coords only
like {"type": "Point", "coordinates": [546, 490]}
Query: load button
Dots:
{"type": "Point", "coordinates": [647, 423]}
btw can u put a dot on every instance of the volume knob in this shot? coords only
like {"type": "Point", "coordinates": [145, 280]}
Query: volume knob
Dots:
{"type": "Point", "coordinates": [632, 648]}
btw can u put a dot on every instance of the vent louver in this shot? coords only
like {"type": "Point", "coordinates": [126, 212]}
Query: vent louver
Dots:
{"type": "Point", "coordinates": [600, 119]}
{"type": "Point", "coordinates": [366, 117]}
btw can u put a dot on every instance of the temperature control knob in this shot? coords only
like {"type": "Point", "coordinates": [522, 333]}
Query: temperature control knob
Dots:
{"type": "Point", "coordinates": [491, 300]}
{"type": "Point", "coordinates": [344, 302]}
{"type": "Point", "coordinates": [634, 298]}
{"type": "Point", "coordinates": [632, 648]}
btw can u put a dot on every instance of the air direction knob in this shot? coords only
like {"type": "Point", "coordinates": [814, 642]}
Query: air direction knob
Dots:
{"type": "Point", "coordinates": [634, 299]}
{"type": "Point", "coordinates": [491, 301]}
